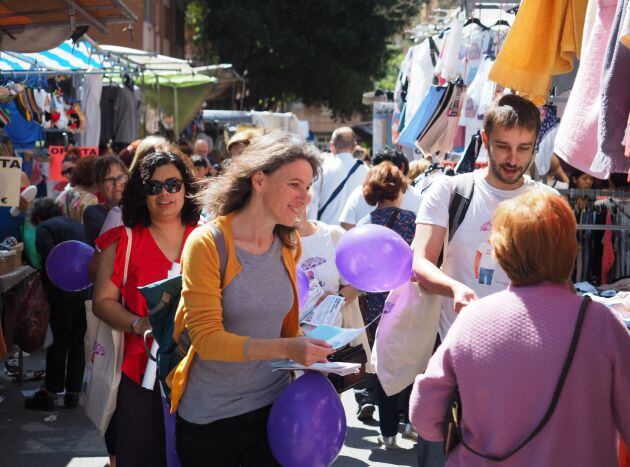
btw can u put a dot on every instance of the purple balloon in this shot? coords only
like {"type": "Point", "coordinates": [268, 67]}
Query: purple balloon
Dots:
{"type": "Point", "coordinates": [307, 423]}
{"type": "Point", "coordinates": [374, 258]}
{"type": "Point", "coordinates": [67, 265]}
{"type": "Point", "coordinates": [302, 286]}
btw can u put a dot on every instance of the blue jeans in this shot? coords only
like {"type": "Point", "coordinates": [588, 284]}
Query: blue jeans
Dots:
{"type": "Point", "coordinates": [485, 276]}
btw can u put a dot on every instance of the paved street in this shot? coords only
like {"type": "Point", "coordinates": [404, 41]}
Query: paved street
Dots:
{"type": "Point", "coordinates": [67, 438]}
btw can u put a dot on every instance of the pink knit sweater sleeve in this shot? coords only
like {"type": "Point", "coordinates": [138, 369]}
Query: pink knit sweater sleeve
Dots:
{"type": "Point", "coordinates": [432, 391]}
{"type": "Point", "coordinates": [619, 345]}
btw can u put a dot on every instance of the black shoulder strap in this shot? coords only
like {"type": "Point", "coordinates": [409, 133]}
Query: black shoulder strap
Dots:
{"type": "Point", "coordinates": [458, 206]}
{"type": "Point", "coordinates": [334, 194]}
{"type": "Point", "coordinates": [557, 392]}
{"type": "Point", "coordinates": [460, 200]}
{"type": "Point", "coordinates": [219, 242]}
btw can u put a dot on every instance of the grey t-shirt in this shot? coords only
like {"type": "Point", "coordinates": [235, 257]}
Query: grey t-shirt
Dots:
{"type": "Point", "coordinates": [254, 304]}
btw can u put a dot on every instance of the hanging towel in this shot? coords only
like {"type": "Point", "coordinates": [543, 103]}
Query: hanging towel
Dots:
{"type": "Point", "coordinates": [615, 98]}
{"type": "Point", "coordinates": [544, 39]}
{"type": "Point", "coordinates": [576, 142]}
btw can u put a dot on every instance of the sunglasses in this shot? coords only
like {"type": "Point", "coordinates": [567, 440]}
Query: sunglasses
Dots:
{"type": "Point", "coordinates": [172, 185]}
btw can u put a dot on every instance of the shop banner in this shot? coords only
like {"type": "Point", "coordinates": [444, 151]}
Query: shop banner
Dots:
{"type": "Point", "coordinates": [10, 177]}
{"type": "Point", "coordinates": [57, 154]}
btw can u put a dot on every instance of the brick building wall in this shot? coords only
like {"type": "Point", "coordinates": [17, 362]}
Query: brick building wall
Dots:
{"type": "Point", "coordinates": [160, 28]}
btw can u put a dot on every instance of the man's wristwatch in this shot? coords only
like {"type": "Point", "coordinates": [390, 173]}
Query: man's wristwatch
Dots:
{"type": "Point", "coordinates": [134, 323]}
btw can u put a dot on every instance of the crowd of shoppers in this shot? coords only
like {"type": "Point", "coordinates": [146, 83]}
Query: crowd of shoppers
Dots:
{"type": "Point", "coordinates": [237, 232]}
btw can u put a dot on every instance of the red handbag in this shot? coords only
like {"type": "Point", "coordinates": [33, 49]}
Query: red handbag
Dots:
{"type": "Point", "coordinates": [33, 316]}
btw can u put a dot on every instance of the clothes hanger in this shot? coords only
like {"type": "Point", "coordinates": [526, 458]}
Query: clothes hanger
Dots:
{"type": "Point", "coordinates": [476, 21]}
{"type": "Point", "coordinates": [501, 22]}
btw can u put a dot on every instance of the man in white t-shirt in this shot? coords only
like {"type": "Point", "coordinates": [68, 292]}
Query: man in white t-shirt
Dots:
{"type": "Point", "coordinates": [469, 271]}
{"type": "Point", "coordinates": [357, 208]}
{"type": "Point", "coordinates": [337, 167]}
{"type": "Point", "coordinates": [510, 129]}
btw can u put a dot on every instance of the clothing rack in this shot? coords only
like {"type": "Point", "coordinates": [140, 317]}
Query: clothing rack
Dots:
{"type": "Point", "coordinates": [613, 228]}
{"type": "Point", "coordinates": [575, 192]}
{"type": "Point", "coordinates": [593, 194]}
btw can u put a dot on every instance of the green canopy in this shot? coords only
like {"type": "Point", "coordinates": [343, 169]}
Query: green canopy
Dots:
{"type": "Point", "coordinates": [177, 95]}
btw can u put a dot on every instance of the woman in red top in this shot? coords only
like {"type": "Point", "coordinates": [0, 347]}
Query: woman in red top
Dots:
{"type": "Point", "coordinates": [158, 209]}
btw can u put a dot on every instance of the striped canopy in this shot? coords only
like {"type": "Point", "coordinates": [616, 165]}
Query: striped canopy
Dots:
{"type": "Point", "coordinates": [67, 56]}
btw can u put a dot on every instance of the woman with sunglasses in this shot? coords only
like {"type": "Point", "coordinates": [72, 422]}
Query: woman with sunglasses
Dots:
{"type": "Point", "coordinates": [240, 319]}
{"type": "Point", "coordinates": [159, 212]}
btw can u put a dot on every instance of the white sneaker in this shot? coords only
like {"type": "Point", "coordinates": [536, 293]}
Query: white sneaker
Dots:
{"type": "Point", "coordinates": [388, 442]}
{"type": "Point", "coordinates": [409, 433]}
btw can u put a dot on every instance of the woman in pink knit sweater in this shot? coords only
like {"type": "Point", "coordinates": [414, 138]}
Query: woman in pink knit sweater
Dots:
{"type": "Point", "coordinates": [506, 351]}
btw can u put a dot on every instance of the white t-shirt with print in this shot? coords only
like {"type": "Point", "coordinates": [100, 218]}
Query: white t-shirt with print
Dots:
{"type": "Point", "coordinates": [318, 258]}
{"type": "Point", "coordinates": [357, 208]}
{"type": "Point", "coordinates": [469, 257]}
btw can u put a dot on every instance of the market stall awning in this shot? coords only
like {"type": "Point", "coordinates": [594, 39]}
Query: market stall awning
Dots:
{"type": "Point", "coordinates": [147, 61]}
{"type": "Point", "coordinates": [66, 57]}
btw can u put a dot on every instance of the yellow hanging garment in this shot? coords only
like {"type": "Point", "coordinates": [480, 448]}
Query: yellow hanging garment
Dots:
{"type": "Point", "coordinates": [543, 41]}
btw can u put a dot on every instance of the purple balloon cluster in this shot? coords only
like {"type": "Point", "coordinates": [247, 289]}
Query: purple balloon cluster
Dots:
{"type": "Point", "coordinates": [374, 258]}
{"type": "Point", "coordinates": [307, 423]}
{"type": "Point", "coordinates": [67, 265]}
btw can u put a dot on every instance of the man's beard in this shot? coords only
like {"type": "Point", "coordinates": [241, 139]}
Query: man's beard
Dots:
{"type": "Point", "coordinates": [496, 170]}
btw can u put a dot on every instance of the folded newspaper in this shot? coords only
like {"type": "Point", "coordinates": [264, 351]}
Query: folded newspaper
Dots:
{"type": "Point", "coordinates": [338, 368]}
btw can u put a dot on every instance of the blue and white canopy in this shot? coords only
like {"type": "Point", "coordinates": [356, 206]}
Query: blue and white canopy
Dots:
{"type": "Point", "coordinates": [66, 57]}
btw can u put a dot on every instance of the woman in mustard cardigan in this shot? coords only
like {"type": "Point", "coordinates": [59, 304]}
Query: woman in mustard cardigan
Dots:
{"type": "Point", "coordinates": [223, 390]}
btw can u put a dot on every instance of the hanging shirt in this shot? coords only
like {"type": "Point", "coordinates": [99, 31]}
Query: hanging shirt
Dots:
{"type": "Point", "coordinates": [478, 96]}
{"type": "Point", "coordinates": [448, 64]}
{"type": "Point", "coordinates": [544, 39]}
{"type": "Point", "coordinates": [476, 44]}
{"type": "Point", "coordinates": [91, 103]}
{"type": "Point", "coordinates": [420, 78]}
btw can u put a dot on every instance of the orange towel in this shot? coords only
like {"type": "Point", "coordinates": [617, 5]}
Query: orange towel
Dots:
{"type": "Point", "coordinates": [543, 41]}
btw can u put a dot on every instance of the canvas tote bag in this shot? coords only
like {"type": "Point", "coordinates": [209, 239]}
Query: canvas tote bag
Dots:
{"type": "Point", "coordinates": [104, 355]}
{"type": "Point", "coordinates": [406, 336]}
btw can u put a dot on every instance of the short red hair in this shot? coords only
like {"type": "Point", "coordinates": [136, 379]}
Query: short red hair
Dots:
{"type": "Point", "coordinates": [534, 238]}
{"type": "Point", "coordinates": [383, 182]}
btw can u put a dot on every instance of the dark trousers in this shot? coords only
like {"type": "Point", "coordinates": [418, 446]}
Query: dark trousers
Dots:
{"type": "Point", "coordinates": [230, 442]}
{"type": "Point", "coordinates": [140, 438]}
{"type": "Point", "coordinates": [389, 408]}
{"type": "Point", "coordinates": [65, 358]}
{"type": "Point", "coordinates": [430, 453]}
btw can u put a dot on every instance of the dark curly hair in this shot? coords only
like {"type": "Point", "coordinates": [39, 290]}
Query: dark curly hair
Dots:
{"type": "Point", "coordinates": [83, 172]}
{"type": "Point", "coordinates": [392, 155]}
{"type": "Point", "coordinates": [42, 210]}
{"type": "Point", "coordinates": [383, 182]}
{"type": "Point", "coordinates": [134, 198]}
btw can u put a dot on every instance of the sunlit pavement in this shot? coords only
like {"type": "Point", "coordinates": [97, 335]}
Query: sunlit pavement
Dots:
{"type": "Point", "coordinates": [67, 438]}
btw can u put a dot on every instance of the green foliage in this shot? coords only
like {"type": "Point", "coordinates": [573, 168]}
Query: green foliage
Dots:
{"type": "Point", "coordinates": [318, 51]}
